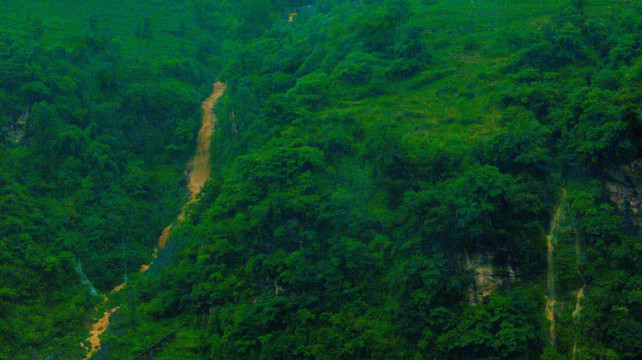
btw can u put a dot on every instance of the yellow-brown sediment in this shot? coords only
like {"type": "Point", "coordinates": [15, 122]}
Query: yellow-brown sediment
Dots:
{"type": "Point", "coordinates": [549, 309]}
{"type": "Point", "coordinates": [198, 171]}
{"type": "Point", "coordinates": [97, 329]}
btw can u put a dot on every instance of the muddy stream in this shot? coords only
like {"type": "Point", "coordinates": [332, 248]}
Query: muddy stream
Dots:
{"type": "Point", "coordinates": [198, 171]}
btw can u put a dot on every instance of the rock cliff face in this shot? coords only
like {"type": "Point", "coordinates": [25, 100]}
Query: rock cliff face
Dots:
{"type": "Point", "coordinates": [625, 190]}
{"type": "Point", "coordinates": [488, 278]}
{"type": "Point", "coordinates": [16, 130]}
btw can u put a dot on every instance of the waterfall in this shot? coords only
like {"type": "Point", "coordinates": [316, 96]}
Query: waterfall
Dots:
{"type": "Point", "coordinates": [580, 293]}
{"type": "Point", "coordinates": [84, 280]}
{"type": "Point", "coordinates": [551, 242]}
{"type": "Point", "coordinates": [550, 291]}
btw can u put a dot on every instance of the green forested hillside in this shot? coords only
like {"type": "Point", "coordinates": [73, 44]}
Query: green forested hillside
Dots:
{"type": "Point", "coordinates": [400, 179]}
{"type": "Point", "coordinates": [93, 145]}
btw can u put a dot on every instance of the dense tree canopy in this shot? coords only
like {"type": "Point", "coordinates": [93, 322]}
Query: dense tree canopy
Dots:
{"type": "Point", "coordinates": [385, 177]}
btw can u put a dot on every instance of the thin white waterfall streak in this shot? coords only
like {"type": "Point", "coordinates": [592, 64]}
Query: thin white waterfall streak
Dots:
{"type": "Point", "coordinates": [84, 280]}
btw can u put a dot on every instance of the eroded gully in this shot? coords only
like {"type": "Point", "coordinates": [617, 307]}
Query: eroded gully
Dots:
{"type": "Point", "coordinates": [198, 171]}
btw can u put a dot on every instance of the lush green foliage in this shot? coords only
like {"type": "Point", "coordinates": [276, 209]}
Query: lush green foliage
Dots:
{"type": "Point", "coordinates": [366, 154]}
{"type": "Point", "coordinates": [93, 146]}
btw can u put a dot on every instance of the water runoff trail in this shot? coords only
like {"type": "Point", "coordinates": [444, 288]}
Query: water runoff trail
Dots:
{"type": "Point", "coordinates": [551, 242]}
{"type": "Point", "coordinates": [198, 171]}
{"type": "Point", "coordinates": [562, 222]}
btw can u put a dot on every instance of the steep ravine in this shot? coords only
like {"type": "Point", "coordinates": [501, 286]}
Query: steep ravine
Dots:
{"type": "Point", "coordinates": [197, 171]}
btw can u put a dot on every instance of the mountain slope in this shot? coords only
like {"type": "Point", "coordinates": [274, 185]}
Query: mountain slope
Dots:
{"type": "Point", "coordinates": [377, 157]}
{"type": "Point", "coordinates": [384, 178]}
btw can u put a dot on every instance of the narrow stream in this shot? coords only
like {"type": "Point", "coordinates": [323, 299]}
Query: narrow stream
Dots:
{"type": "Point", "coordinates": [551, 242]}
{"type": "Point", "coordinates": [198, 171]}
{"type": "Point", "coordinates": [580, 293]}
